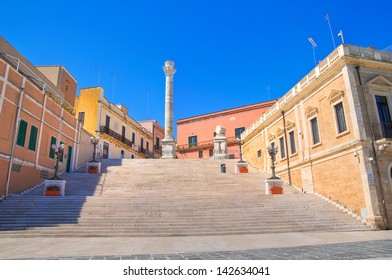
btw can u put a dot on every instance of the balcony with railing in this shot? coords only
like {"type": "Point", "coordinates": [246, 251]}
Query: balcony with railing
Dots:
{"type": "Point", "coordinates": [383, 136]}
{"type": "Point", "coordinates": [205, 145]}
{"type": "Point", "coordinates": [115, 135]}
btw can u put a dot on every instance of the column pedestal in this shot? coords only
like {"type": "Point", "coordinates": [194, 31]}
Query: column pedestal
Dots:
{"type": "Point", "coordinates": [168, 149]}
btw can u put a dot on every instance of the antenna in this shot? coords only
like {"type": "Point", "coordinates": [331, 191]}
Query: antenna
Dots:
{"type": "Point", "coordinates": [314, 45]}
{"type": "Point", "coordinates": [330, 30]}
{"type": "Point", "coordinates": [113, 85]}
{"type": "Point", "coordinates": [341, 36]}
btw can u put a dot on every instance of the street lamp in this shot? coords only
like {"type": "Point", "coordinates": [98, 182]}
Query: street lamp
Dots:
{"type": "Point", "coordinates": [58, 151]}
{"type": "Point", "coordinates": [239, 142]}
{"type": "Point", "coordinates": [272, 151]}
{"type": "Point", "coordinates": [94, 140]}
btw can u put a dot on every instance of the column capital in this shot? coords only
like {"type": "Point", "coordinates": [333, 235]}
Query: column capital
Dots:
{"type": "Point", "coordinates": [169, 68]}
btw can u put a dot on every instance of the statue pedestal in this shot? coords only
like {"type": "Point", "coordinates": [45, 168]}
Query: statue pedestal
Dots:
{"type": "Point", "coordinates": [168, 149]}
{"type": "Point", "coordinates": [273, 186]}
{"type": "Point", "coordinates": [54, 187]}
{"type": "Point", "coordinates": [220, 147]}
{"type": "Point", "coordinates": [93, 167]}
{"type": "Point", "coordinates": [241, 167]}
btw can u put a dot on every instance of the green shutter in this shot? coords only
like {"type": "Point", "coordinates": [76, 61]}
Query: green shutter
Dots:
{"type": "Point", "coordinates": [22, 133]}
{"type": "Point", "coordinates": [53, 140]}
{"type": "Point", "coordinates": [33, 138]}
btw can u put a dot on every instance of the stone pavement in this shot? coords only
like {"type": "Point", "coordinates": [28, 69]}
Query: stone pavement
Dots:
{"type": "Point", "coordinates": [284, 246]}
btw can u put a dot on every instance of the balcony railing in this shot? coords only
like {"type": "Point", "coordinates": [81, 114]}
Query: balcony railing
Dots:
{"type": "Point", "coordinates": [382, 130]}
{"type": "Point", "coordinates": [203, 145]}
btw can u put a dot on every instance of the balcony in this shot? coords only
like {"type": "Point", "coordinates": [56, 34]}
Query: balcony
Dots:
{"type": "Point", "coordinates": [205, 145]}
{"type": "Point", "coordinates": [115, 135]}
{"type": "Point", "coordinates": [383, 136]}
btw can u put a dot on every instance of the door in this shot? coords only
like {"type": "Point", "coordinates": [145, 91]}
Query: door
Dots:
{"type": "Point", "coordinates": [69, 159]}
{"type": "Point", "coordinates": [105, 152]}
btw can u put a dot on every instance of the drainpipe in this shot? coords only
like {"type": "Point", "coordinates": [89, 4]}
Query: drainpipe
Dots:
{"type": "Point", "coordinates": [287, 147]}
{"type": "Point", "coordinates": [18, 109]}
{"type": "Point", "coordinates": [379, 185]}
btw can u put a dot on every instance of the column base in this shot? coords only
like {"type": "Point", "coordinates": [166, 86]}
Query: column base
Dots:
{"type": "Point", "coordinates": [168, 149]}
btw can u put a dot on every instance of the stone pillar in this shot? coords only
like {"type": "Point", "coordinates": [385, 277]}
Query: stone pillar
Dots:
{"type": "Point", "coordinates": [168, 143]}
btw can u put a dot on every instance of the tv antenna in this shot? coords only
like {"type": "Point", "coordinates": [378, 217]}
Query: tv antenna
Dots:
{"type": "Point", "coordinates": [314, 45]}
{"type": "Point", "coordinates": [330, 30]}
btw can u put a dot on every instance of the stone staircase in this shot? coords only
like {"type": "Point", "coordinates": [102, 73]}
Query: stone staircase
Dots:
{"type": "Point", "coordinates": [167, 198]}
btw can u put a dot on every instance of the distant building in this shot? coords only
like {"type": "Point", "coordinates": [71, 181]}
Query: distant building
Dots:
{"type": "Point", "coordinates": [333, 131]}
{"type": "Point", "coordinates": [158, 133]}
{"type": "Point", "coordinates": [34, 114]}
{"type": "Point", "coordinates": [120, 135]}
{"type": "Point", "coordinates": [195, 135]}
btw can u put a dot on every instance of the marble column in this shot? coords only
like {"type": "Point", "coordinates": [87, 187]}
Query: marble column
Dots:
{"type": "Point", "coordinates": [168, 143]}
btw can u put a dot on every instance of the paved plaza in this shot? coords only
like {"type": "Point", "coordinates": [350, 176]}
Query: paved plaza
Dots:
{"type": "Point", "coordinates": [284, 246]}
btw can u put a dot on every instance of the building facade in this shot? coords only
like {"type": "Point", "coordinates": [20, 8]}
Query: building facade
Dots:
{"type": "Point", "coordinates": [333, 131]}
{"type": "Point", "coordinates": [195, 135]}
{"type": "Point", "coordinates": [120, 135]}
{"type": "Point", "coordinates": [34, 115]}
{"type": "Point", "coordinates": [158, 133]}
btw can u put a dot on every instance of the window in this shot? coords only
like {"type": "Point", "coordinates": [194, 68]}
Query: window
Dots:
{"type": "Point", "coordinates": [81, 116]}
{"type": "Point", "coordinates": [293, 148]}
{"type": "Point", "coordinates": [20, 141]}
{"type": "Point", "coordinates": [33, 138]}
{"type": "Point", "coordinates": [53, 140]}
{"type": "Point", "coordinates": [147, 146]}
{"type": "Point", "coordinates": [211, 152]}
{"type": "Point", "coordinates": [123, 133]}
{"type": "Point", "coordinates": [340, 119]}
{"type": "Point", "coordinates": [142, 143]}
{"type": "Point", "coordinates": [238, 132]}
{"type": "Point", "coordinates": [315, 131]}
{"type": "Point", "coordinates": [200, 154]}
{"type": "Point", "coordinates": [385, 117]}
{"type": "Point", "coordinates": [192, 141]}
{"type": "Point", "coordinates": [157, 143]}
{"type": "Point", "coordinates": [133, 137]}
{"type": "Point", "coordinates": [282, 148]}
{"type": "Point", "coordinates": [259, 153]}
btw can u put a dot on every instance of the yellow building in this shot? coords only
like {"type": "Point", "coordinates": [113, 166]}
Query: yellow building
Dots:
{"type": "Point", "coordinates": [333, 131]}
{"type": "Point", "coordinates": [120, 135]}
{"type": "Point", "coordinates": [34, 114]}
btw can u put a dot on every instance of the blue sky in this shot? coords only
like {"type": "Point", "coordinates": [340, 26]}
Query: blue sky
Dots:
{"type": "Point", "coordinates": [227, 53]}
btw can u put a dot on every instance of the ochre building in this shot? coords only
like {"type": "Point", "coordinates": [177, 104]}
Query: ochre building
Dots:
{"type": "Point", "coordinates": [120, 135]}
{"type": "Point", "coordinates": [333, 131]}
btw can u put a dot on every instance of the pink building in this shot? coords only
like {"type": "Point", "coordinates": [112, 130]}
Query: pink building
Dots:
{"type": "Point", "coordinates": [195, 135]}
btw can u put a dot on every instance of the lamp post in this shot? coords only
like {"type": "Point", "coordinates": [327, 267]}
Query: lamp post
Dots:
{"type": "Point", "coordinates": [239, 142]}
{"type": "Point", "coordinates": [272, 151]}
{"type": "Point", "coordinates": [94, 140]}
{"type": "Point", "coordinates": [58, 151]}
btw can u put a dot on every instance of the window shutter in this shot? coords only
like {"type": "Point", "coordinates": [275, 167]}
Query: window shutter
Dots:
{"type": "Point", "coordinates": [33, 138]}
{"type": "Point", "coordinates": [21, 139]}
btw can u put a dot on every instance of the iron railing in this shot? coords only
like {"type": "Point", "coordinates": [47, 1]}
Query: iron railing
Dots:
{"type": "Point", "coordinates": [203, 145]}
{"type": "Point", "coordinates": [119, 137]}
{"type": "Point", "coordinates": [382, 130]}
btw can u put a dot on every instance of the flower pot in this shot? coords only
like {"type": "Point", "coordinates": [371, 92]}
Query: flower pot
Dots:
{"type": "Point", "coordinates": [52, 191]}
{"type": "Point", "coordinates": [92, 169]}
{"type": "Point", "coordinates": [276, 190]}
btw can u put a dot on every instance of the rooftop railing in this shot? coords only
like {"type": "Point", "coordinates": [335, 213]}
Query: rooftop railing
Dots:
{"type": "Point", "coordinates": [327, 63]}
{"type": "Point", "coordinates": [27, 72]}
